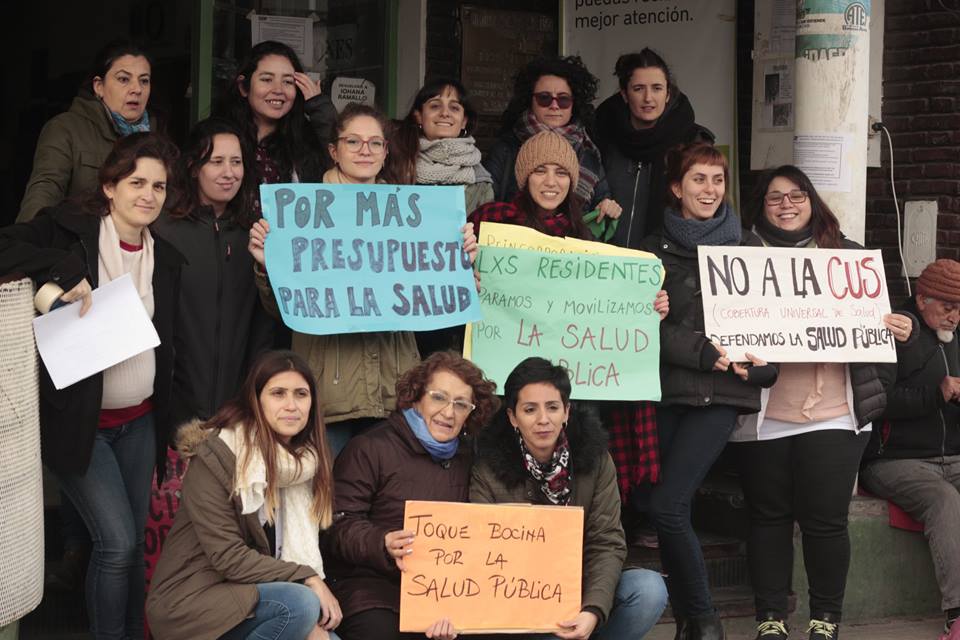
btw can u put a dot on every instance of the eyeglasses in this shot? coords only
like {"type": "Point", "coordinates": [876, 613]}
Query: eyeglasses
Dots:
{"type": "Point", "coordinates": [545, 99]}
{"type": "Point", "coordinates": [354, 144]}
{"type": "Point", "coordinates": [797, 196]}
{"type": "Point", "coordinates": [441, 401]}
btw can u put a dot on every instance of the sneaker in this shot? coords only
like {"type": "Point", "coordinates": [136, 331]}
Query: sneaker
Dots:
{"type": "Point", "coordinates": [823, 629]}
{"type": "Point", "coordinates": [772, 629]}
{"type": "Point", "coordinates": [951, 631]}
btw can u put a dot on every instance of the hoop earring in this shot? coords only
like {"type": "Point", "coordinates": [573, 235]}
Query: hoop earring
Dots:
{"type": "Point", "coordinates": [463, 132]}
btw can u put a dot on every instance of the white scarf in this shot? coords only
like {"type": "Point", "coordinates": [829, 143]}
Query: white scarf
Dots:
{"type": "Point", "coordinates": [110, 261]}
{"type": "Point", "coordinates": [301, 531]}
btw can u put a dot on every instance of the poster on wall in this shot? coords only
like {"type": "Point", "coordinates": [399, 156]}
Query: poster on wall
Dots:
{"type": "Point", "coordinates": [685, 32]}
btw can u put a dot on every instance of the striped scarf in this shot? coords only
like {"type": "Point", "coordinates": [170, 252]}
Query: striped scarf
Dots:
{"type": "Point", "coordinates": [527, 125]}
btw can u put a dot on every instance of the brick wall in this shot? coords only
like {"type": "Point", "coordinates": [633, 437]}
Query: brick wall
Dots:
{"type": "Point", "coordinates": [921, 108]}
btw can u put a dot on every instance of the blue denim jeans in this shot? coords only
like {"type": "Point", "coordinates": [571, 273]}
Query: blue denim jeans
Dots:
{"type": "Point", "coordinates": [285, 611]}
{"type": "Point", "coordinates": [639, 602]}
{"type": "Point", "coordinates": [113, 498]}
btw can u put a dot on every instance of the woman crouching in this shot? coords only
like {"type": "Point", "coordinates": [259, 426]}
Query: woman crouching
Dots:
{"type": "Point", "coordinates": [543, 450]}
{"type": "Point", "coordinates": [242, 559]}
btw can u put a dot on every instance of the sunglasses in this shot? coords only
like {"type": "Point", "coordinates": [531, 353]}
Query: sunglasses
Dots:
{"type": "Point", "coordinates": [545, 99]}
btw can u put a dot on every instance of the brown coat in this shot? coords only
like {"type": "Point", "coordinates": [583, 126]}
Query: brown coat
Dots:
{"type": "Point", "coordinates": [378, 471]}
{"type": "Point", "coordinates": [214, 556]}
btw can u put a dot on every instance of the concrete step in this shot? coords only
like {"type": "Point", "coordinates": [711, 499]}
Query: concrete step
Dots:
{"type": "Point", "coordinates": [888, 629]}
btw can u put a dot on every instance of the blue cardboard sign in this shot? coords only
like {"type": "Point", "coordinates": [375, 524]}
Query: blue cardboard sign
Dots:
{"type": "Point", "coordinates": [353, 258]}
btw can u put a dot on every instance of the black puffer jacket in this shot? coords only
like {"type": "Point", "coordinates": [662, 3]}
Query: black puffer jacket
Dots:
{"type": "Point", "coordinates": [917, 422]}
{"type": "Point", "coordinates": [221, 324]}
{"type": "Point", "coordinates": [687, 377]}
{"type": "Point", "coordinates": [60, 245]}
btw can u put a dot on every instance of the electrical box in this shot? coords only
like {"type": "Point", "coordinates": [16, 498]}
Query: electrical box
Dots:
{"type": "Point", "coordinates": [919, 235]}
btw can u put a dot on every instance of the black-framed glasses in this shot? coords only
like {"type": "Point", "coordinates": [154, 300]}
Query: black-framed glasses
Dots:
{"type": "Point", "coordinates": [354, 144]}
{"type": "Point", "coordinates": [796, 196]}
{"type": "Point", "coordinates": [441, 400]}
{"type": "Point", "coordinates": [545, 99]}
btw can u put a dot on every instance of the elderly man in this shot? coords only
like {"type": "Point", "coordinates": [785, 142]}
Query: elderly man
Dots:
{"type": "Point", "coordinates": [914, 459]}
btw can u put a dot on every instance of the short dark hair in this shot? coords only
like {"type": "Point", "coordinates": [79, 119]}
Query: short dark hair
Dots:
{"type": "Point", "coordinates": [413, 384]}
{"type": "Point", "coordinates": [122, 161]}
{"type": "Point", "coordinates": [110, 53]}
{"type": "Point", "coordinates": [646, 58]}
{"type": "Point", "coordinates": [534, 370]}
{"type": "Point", "coordinates": [682, 157]}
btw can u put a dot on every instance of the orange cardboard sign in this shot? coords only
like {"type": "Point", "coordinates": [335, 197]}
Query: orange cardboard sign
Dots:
{"type": "Point", "coordinates": [491, 567]}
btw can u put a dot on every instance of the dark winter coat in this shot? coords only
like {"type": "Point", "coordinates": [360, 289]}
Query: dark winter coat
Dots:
{"type": "Point", "coordinates": [687, 377]}
{"type": "Point", "coordinates": [502, 158]}
{"type": "Point", "coordinates": [634, 161]}
{"type": "Point", "coordinates": [374, 475]}
{"type": "Point", "coordinates": [60, 245]}
{"type": "Point", "coordinates": [221, 324]}
{"type": "Point", "coordinates": [499, 476]}
{"type": "Point", "coordinates": [214, 556]}
{"type": "Point", "coordinates": [917, 422]}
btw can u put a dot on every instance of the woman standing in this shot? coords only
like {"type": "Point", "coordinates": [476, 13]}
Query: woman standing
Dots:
{"type": "Point", "coordinates": [104, 435]}
{"type": "Point", "coordinates": [799, 456]}
{"type": "Point", "coordinates": [242, 560]}
{"type": "Point", "coordinates": [417, 453]}
{"type": "Point", "coordinates": [635, 127]}
{"type": "Point", "coordinates": [552, 94]}
{"type": "Point", "coordinates": [350, 365]}
{"type": "Point", "coordinates": [73, 145]}
{"type": "Point", "coordinates": [541, 449]}
{"type": "Point", "coordinates": [702, 391]}
{"type": "Point", "coordinates": [221, 324]}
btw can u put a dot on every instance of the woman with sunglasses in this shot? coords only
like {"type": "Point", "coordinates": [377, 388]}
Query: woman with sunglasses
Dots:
{"type": "Point", "coordinates": [552, 94]}
{"type": "Point", "coordinates": [417, 453]}
{"type": "Point", "coordinates": [799, 456]}
{"type": "Point", "coordinates": [350, 365]}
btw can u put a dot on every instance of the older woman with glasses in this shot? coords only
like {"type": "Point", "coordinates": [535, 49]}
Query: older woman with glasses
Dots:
{"type": "Point", "coordinates": [799, 455]}
{"type": "Point", "coordinates": [417, 453]}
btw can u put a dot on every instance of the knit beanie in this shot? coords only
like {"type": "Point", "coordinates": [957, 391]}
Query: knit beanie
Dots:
{"type": "Point", "coordinates": [544, 148]}
{"type": "Point", "coordinates": [941, 280]}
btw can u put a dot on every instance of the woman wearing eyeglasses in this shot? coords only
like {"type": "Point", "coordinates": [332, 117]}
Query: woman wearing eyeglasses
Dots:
{"type": "Point", "coordinates": [356, 372]}
{"type": "Point", "coordinates": [798, 457]}
{"type": "Point", "coordinates": [417, 453]}
{"type": "Point", "coordinates": [552, 94]}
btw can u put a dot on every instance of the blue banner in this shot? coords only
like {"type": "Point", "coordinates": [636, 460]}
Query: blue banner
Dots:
{"type": "Point", "coordinates": [352, 258]}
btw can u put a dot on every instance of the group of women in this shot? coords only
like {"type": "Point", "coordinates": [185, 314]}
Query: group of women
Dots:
{"type": "Point", "coordinates": [273, 540]}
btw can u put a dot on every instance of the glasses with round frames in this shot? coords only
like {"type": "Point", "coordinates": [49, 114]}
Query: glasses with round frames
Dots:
{"type": "Point", "coordinates": [354, 144]}
{"type": "Point", "coordinates": [545, 99]}
{"type": "Point", "coordinates": [441, 401]}
{"type": "Point", "coordinates": [774, 198]}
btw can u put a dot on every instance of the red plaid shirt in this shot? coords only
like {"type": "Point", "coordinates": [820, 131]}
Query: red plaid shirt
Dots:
{"type": "Point", "coordinates": [634, 445]}
{"type": "Point", "coordinates": [510, 213]}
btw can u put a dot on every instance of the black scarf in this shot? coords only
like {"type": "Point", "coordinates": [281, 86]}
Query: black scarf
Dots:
{"type": "Point", "coordinates": [776, 237]}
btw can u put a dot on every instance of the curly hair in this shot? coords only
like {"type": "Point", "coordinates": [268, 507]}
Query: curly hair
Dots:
{"type": "Point", "coordinates": [583, 85]}
{"type": "Point", "coordinates": [413, 384]}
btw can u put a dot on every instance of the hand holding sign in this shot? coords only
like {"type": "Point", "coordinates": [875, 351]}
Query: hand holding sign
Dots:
{"type": "Point", "coordinates": [398, 546]}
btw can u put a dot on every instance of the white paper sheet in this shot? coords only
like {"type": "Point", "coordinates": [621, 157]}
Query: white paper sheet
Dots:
{"type": "Point", "coordinates": [115, 328]}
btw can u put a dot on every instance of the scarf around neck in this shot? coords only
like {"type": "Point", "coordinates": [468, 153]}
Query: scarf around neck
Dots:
{"type": "Point", "coordinates": [301, 531]}
{"type": "Point", "coordinates": [110, 261]}
{"type": "Point", "coordinates": [674, 126]}
{"type": "Point", "coordinates": [573, 132]}
{"type": "Point", "coordinates": [124, 127]}
{"type": "Point", "coordinates": [450, 161]}
{"type": "Point", "coordinates": [437, 450]}
{"type": "Point", "coordinates": [553, 476]}
{"type": "Point", "coordinates": [722, 229]}
{"type": "Point", "coordinates": [774, 236]}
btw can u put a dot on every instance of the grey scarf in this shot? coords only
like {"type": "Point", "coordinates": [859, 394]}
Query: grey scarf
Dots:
{"type": "Point", "coordinates": [450, 161]}
{"type": "Point", "coordinates": [722, 229]}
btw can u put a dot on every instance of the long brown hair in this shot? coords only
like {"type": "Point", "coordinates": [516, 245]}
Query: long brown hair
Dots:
{"type": "Point", "coordinates": [393, 171]}
{"type": "Point", "coordinates": [245, 412]}
{"type": "Point", "coordinates": [825, 226]}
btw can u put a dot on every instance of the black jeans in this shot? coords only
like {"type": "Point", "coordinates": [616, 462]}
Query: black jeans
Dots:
{"type": "Point", "coordinates": [807, 478]}
{"type": "Point", "coordinates": [691, 439]}
{"type": "Point", "coordinates": [382, 624]}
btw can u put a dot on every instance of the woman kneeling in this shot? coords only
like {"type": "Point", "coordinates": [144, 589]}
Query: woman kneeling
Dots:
{"type": "Point", "coordinates": [242, 559]}
{"type": "Point", "coordinates": [544, 450]}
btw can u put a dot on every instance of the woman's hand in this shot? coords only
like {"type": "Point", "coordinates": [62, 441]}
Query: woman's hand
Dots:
{"type": "Point", "coordinates": [306, 85]}
{"type": "Point", "coordinates": [469, 241]}
{"type": "Point", "coordinates": [442, 629]}
{"type": "Point", "coordinates": [580, 627]}
{"type": "Point", "coordinates": [661, 304]}
{"type": "Point", "coordinates": [723, 362]}
{"type": "Point", "coordinates": [318, 633]}
{"type": "Point", "coordinates": [397, 544]}
{"type": "Point", "coordinates": [258, 235]}
{"type": "Point", "coordinates": [82, 292]}
{"type": "Point", "coordinates": [900, 326]}
{"type": "Point", "coordinates": [608, 209]}
{"type": "Point", "coordinates": [330, 613]}
{"type": "Point", "coordinates": [742, 369]}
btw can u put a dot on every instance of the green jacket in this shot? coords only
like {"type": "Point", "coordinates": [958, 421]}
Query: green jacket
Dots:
{"type": "Point", "coordinates": [499, 476]}
{"type": "Point", "coordinates": [71, 148]}
{"type": "Point", "coordinates": [356, 373]}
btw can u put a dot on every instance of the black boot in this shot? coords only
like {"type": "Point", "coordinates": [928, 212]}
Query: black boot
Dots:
{"type": "Point", "coordinates": [706, 627]}
{"type": "Point", "coordinates": [772, 626]}
{"type": "Point", "coordinates": [683, 629]}
{"type": "Point", "coordinates": [825, 626]}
